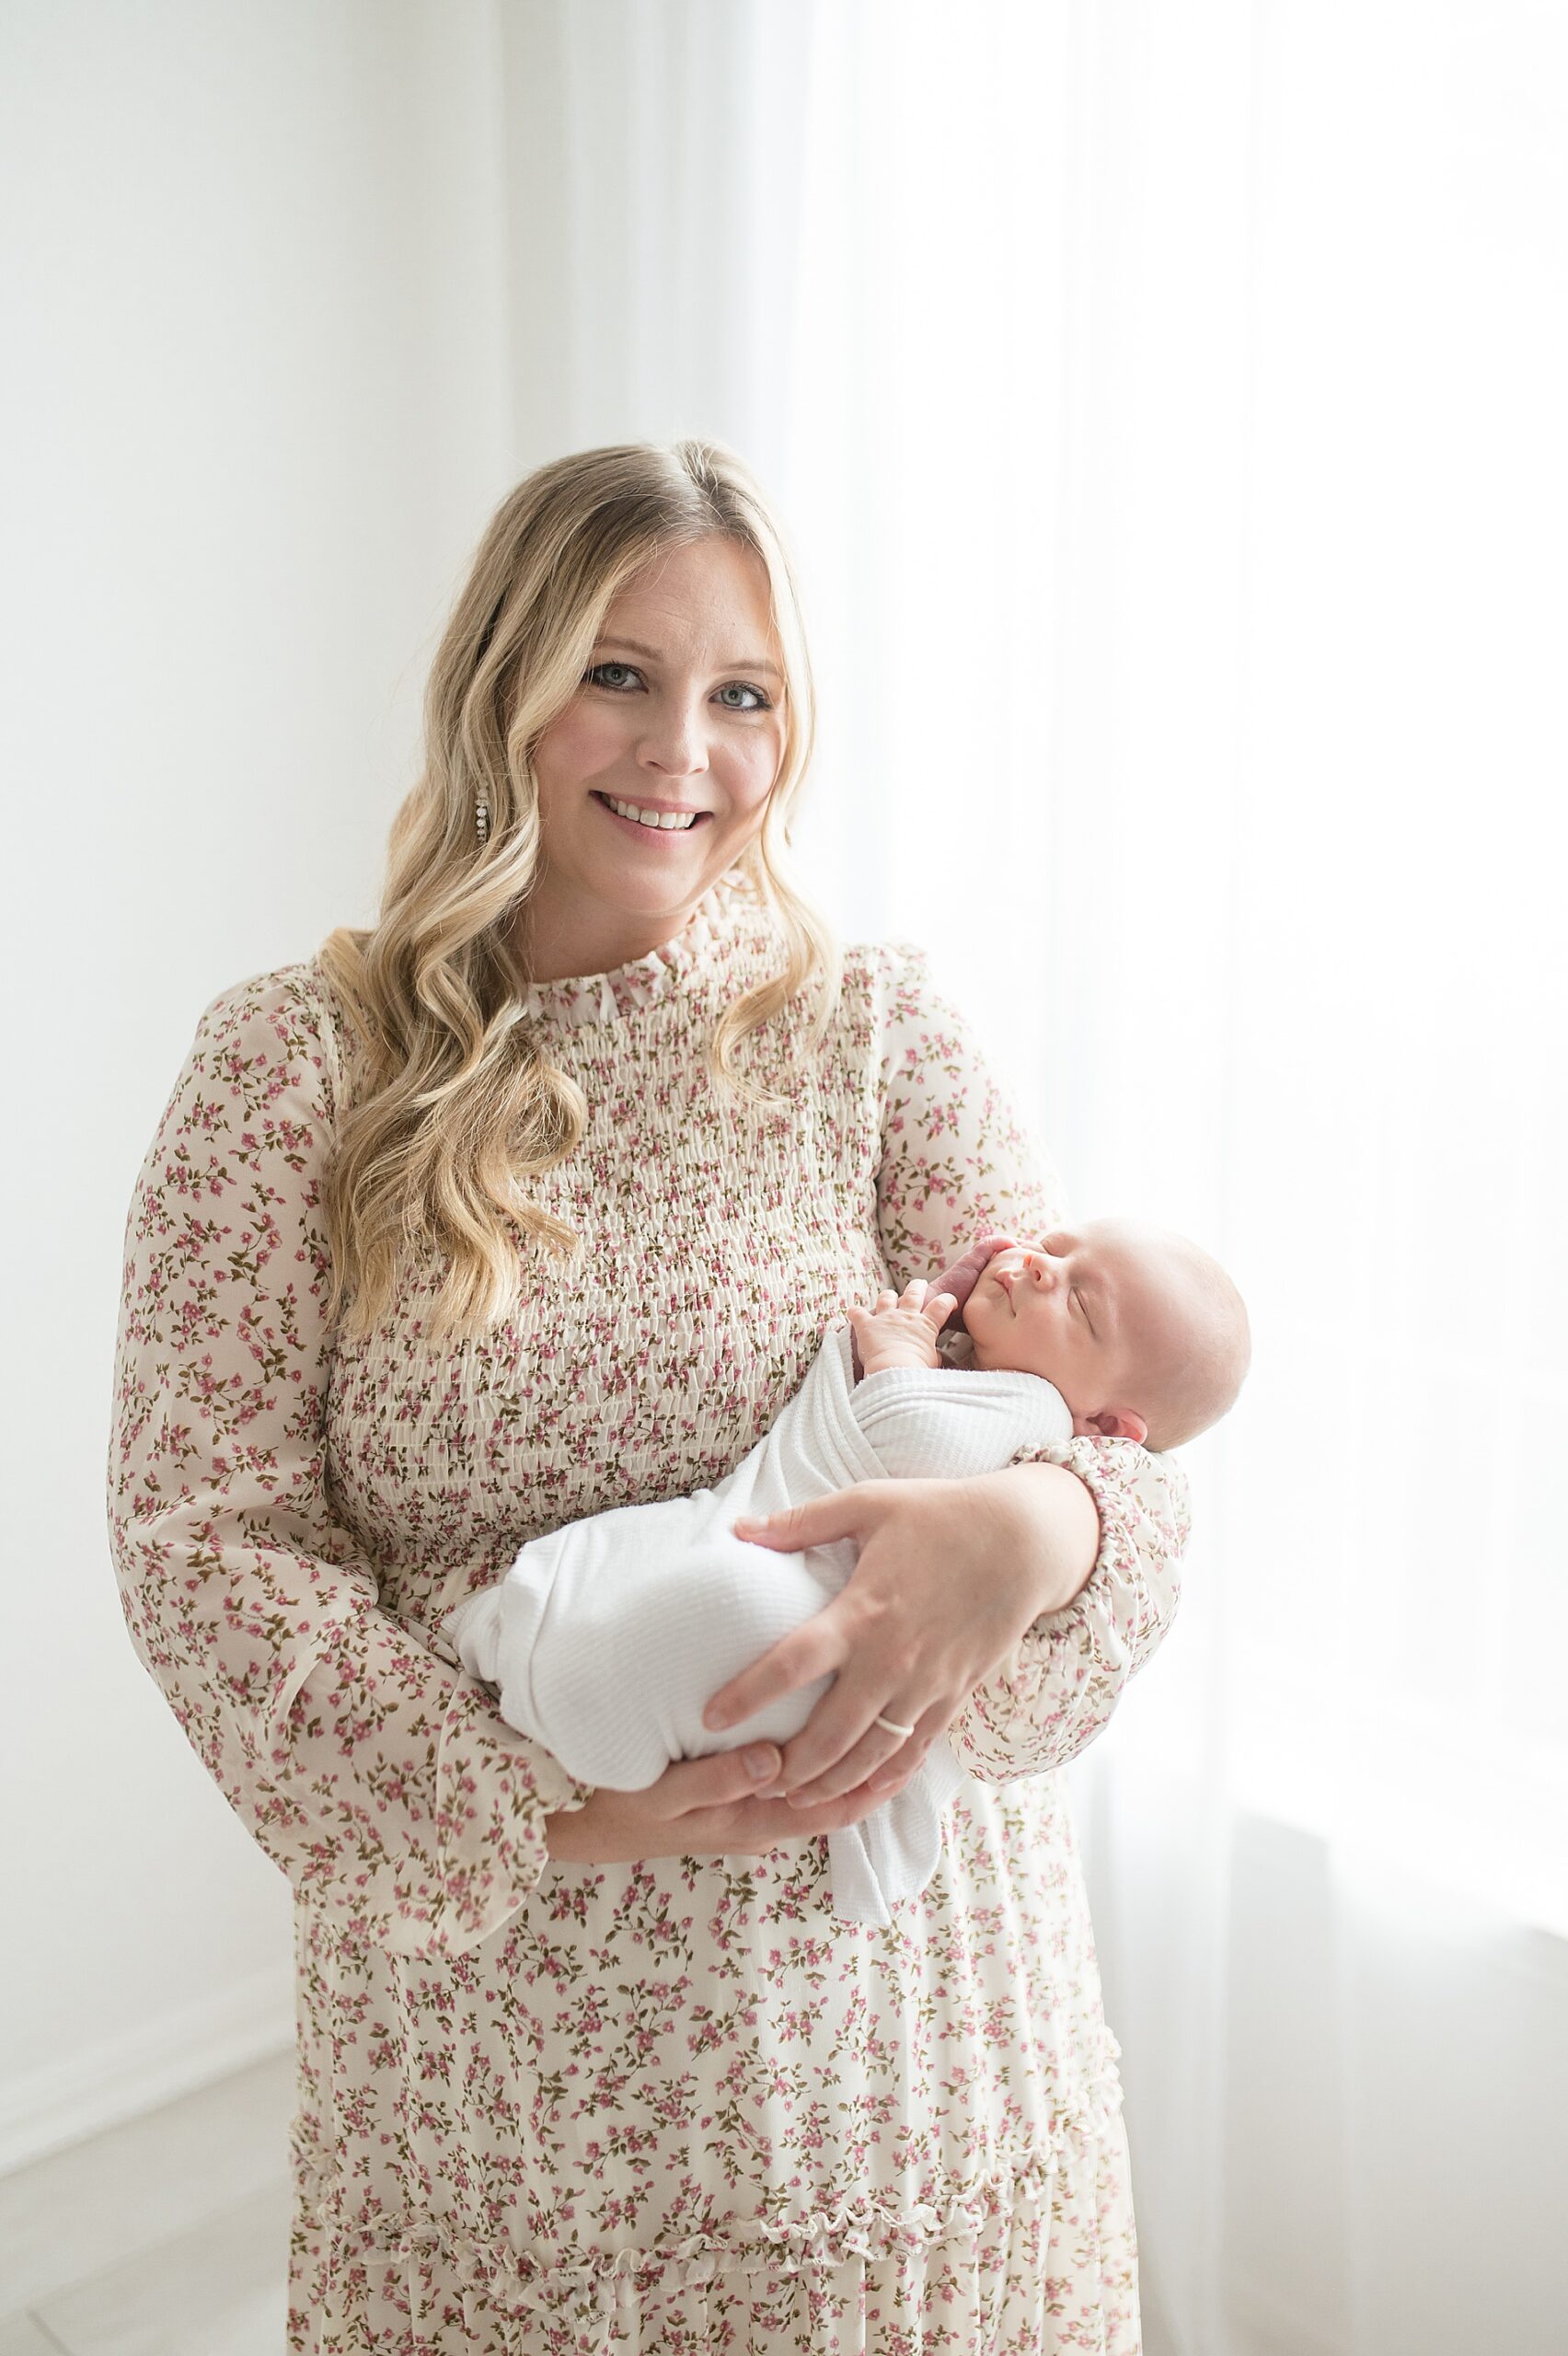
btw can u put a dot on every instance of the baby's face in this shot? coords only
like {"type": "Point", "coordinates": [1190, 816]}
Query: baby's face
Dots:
{"type": "Point", "coordinates": [1096, 1309]}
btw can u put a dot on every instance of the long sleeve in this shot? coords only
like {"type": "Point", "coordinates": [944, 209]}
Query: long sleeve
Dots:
{"type": "Point", "coordinates": [955, 1161]}
{"type": "Point", "coordinates": [381, 1782]}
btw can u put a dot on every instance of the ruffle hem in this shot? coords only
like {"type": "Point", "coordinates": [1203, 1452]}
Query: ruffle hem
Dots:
{"type": "Point", "coordinates": [1039, 2255]}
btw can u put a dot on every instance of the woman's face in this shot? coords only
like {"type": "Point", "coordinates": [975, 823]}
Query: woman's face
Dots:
{"type": "Point", "coordinates": [679, 712]}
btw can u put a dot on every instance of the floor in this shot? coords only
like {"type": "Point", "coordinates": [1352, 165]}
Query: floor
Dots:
{"type": "Point", "coordinates": [167, 2237]}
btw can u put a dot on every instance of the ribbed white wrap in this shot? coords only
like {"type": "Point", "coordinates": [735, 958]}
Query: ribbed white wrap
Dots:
{"type": "Point", "coordinates": [608, 1637]}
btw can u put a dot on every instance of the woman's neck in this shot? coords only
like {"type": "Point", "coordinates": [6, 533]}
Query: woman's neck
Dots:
{"type": "Point", "coordinates": [553, 945]}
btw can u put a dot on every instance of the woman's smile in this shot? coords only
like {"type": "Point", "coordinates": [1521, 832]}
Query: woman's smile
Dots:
{"type": "Point", "coordinates": [659, 832]}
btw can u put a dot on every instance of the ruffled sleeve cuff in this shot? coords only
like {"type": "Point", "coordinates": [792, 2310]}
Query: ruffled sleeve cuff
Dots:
{"type": "Point", "coordinates": [1059, 1687]}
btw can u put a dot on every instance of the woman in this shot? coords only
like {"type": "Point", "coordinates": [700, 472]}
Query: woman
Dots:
{"type": "Point", "coordinates": [535, 1199]}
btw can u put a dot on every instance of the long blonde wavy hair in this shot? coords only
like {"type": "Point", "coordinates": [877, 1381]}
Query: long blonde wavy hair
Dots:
{"type": "Point", "coordinates": [456, 1105]}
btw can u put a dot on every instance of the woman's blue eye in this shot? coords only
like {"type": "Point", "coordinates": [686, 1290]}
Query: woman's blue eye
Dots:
{"type": "Point", "coordinates": [763, 702]}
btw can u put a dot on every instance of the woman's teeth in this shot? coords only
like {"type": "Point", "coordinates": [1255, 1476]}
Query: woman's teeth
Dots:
{"type": "Point", "coordinates": [670, 822]}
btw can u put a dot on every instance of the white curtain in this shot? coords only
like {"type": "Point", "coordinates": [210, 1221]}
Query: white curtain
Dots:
{"type": "Point", "coordinates": [1169, 407]}
{"type": "Point", "coordinates": [1231, 368]}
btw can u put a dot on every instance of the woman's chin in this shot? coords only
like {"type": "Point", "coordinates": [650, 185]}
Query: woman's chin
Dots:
{"type": "Point", "coordinates": [642, 889]}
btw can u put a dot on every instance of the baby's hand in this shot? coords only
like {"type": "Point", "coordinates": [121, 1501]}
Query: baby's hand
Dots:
{"type": "Point", "coordinates": [900, 1331]}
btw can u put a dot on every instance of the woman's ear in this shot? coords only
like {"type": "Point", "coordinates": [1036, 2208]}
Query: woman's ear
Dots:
{"type": "Point", "coordinates": [1111, 1423]}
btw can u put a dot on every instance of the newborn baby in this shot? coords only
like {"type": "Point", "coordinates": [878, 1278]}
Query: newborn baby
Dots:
{"type": "Point", "coordinates": [608, 1637]}
{"type": "Point", "coordinates": [1141, 1332]}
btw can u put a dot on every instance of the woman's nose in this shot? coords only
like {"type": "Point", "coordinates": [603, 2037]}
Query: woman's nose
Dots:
{"type": "Point", "coordinates": [674, 743]}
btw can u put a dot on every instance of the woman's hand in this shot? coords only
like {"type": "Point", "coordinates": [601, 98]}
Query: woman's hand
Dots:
{"type": "Point", "coordinates": [701, 1807]}
{"type": "Point", "coordinates": [949, 1574]}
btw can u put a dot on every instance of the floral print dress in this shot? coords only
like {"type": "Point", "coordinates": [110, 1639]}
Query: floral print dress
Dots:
{"type": "Point", "coordinates": [547, 2109]}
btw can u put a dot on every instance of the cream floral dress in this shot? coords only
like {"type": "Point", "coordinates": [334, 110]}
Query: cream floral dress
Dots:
{"type": "Point", "coordinates": [674, 2106]}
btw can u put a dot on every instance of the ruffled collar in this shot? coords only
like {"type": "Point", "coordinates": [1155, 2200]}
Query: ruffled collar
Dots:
{"type": "Point", "coordinates": [701, 951]}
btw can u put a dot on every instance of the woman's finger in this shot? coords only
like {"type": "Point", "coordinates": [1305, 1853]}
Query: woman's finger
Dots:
{"type": "Point", "coordinates": [813, 1649]}
{"type": "Point", "coordinates": [895, 1772]}
{"type": "Point", "coordinates": [789, 1665]}
{"type": "Point", "coordinates": [750, 1827]}
{"type": "Point", "coordinates": [822, 1522]}
{"type": "Point", "coordinates": [873, 1749]}
{"type": "Point", "coordinates": [816, 1646]}
{"type": "Point", "coordinates": [716, 1781]}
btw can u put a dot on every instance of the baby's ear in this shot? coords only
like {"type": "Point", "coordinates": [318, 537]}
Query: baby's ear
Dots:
{"type": "Point", "coordinates": [1111, 1423]}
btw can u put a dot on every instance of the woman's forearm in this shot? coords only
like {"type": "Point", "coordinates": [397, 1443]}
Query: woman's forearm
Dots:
{"type": "Point", "coordinates": [1058, 1527]}
{"type": "Point", "coordinates": [1047, 1705]}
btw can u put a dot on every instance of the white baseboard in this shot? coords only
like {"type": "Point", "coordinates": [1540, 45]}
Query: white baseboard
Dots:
{"type": "Point", "coordinates": [103, 2086]}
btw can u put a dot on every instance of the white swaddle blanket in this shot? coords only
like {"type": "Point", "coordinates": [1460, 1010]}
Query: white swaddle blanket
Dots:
{"type": "Point", "coordinates": [608, 1636]}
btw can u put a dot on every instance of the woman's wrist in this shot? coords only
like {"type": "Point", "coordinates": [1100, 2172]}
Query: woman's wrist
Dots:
{"type": "Point", "coordinates": [1056, 1525]}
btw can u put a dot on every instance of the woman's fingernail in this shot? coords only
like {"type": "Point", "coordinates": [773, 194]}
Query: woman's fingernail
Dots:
{"type": "Point", "coordinates": [760, 1763]}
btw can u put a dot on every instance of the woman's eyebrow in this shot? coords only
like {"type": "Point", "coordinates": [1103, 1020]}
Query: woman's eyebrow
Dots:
{"type": "Point", "coordinates": [740, 663]}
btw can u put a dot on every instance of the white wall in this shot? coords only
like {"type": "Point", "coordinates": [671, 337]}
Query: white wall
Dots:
{"type": "Point", "coordinates": [254, 420]}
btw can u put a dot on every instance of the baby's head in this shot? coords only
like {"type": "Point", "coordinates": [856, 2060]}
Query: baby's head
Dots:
{"type": "Point", "coordinates": [1142, 1333]}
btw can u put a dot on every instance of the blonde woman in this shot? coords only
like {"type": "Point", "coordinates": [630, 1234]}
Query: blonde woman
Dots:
{"type": "Point", "coordinates": [534, 1199]}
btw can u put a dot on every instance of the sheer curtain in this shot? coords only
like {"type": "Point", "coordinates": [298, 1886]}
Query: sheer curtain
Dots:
{"type": "Point", "coordinates": [1168, 404]}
